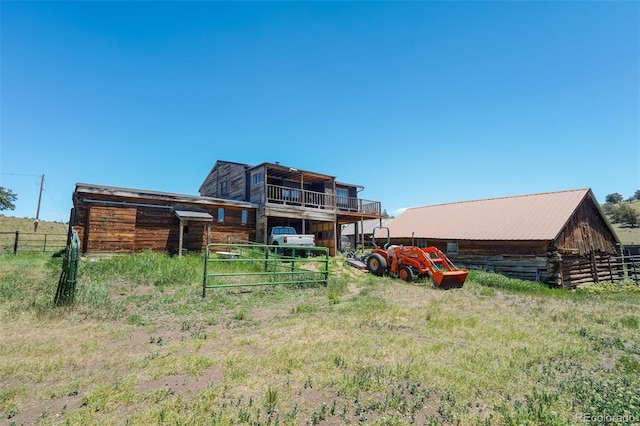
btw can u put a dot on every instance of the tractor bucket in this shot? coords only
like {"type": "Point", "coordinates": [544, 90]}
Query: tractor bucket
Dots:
{"type": "Point", "coordinates": [449, 279]}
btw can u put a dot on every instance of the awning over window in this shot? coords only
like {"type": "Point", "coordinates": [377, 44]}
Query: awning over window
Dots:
{"type": "Point", "coordinates": [195, 216]}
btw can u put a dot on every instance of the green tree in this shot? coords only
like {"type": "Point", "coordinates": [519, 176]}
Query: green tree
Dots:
{"type": "Point", "coordinates": [386, 215]}
{"type": "Point", "coordinates": [614, 198]}
{"type": "Point", "coordinates": [636, 196]}
{"type": "Point", "coordinates": [7, 198]}
{"type": "Point", "coordinates": [627, 215]}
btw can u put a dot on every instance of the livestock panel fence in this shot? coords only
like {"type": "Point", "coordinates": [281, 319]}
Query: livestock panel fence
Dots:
{"type": "Point", "coordinates": [31, 242]}
{"type": "Point", "coordinates": [237, 265]}
{"type": "Point", "coordinates": [604, 268]}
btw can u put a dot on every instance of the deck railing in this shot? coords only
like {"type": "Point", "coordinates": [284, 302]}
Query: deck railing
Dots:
{"type": "Point", "coordinates": [312, 199]}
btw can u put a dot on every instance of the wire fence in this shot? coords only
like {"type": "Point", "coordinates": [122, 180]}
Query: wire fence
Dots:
{"type": "Point", "coordinates": [28, 242]}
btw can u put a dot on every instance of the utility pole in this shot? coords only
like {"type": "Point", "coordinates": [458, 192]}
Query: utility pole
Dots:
{"type": "Point", "coordinates": [35, 223]}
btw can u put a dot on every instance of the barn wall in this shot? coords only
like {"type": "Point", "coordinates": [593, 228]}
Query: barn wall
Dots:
{"type": "Point", "coordinates": [233, 174]}
{"type": "Point", "coordinates": [586, 230]}
{"type": "Point", "coordinates": [527, 260]}
{"type": "Point", "coordinates": [111, 225]}
{"type": "Point", "coordinates": [156, 229]}
{"type": "Point", "coordinates": [112, 230]}
{"type": "Point", "coordinates": [483, 247]}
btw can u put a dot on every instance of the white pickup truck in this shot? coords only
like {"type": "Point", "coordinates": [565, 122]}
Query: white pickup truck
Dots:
{"type": "Point", "coordinates": [287, 236]}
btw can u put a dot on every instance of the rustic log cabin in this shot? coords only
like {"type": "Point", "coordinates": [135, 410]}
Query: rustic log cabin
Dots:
{"type": "Point", "coordinates": [122, 220]}
{"type": "Point", "coordinates": [559, 238]}
{"type": "Point", "coordinates": [312, 203]}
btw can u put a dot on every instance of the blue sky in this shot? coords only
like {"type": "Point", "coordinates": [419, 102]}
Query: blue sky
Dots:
{"type": "Point", "coordinates": [420, 102]}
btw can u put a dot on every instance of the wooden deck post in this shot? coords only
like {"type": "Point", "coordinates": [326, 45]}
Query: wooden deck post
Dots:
{"type": "Point", "coordinates": [181, 237]}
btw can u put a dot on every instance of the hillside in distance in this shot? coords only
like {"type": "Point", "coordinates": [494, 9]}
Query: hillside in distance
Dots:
{"type": "Point", "coordinates": [626, 234]}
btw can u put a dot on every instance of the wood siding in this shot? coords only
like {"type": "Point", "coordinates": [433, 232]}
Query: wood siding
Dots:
{"type": "Point", "coordinates": [156, 228]}
{"type": "Point", "coordinates": [257, 191]}
{"type": "Point", "coordinates": [234, 177]}
{"type": "Point", "coordinates": [325, 235]}
{"type": "Point", "coordinates": [111, 224]}
{"type": "Point", "coordinates": [585, 231]}
{"type": "Point", "coordinates": [112, 230]}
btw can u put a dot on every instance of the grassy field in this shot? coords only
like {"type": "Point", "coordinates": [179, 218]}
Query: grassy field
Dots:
{"type": "Point", "coordinates": [141, 346]}
{"type": "Point", "coordinates": [51, 236]}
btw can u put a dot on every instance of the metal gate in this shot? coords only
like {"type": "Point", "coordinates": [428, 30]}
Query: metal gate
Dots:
{"type": "Point", "coordinates": [237, 265]}
{"type": "Point", "coordinates": [67, 283]}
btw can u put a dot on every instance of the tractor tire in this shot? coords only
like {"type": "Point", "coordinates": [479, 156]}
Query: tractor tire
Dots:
{"type": "Point", "coordinates": [377, 264]}
{"type": "Point", "coordinates": [406, 274]}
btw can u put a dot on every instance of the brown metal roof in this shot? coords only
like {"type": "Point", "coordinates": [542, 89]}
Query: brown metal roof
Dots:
{"type": "Point", "coordinates": [526, 217]}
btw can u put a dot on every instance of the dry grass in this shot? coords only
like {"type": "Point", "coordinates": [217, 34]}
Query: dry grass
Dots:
{"type": "Point", "coordinates": [140, 346]}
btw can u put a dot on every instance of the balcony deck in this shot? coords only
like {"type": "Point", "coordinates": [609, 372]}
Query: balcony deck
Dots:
{"type": "Point", "coordinates": [283, 195]}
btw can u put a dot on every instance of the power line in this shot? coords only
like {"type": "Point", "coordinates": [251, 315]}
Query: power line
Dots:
{"type": "Point", "coordinates": [18, 174]}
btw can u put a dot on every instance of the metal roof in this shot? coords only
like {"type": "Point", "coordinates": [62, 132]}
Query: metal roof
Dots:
{"type": "Point", "coordinates": [165, 197]}
{"type": "Point", "coordinates": [525, 217]}
{"type": "Point", "coordinates": [195, 216]}
{"type": "Point", "coordinates": [369, 224]}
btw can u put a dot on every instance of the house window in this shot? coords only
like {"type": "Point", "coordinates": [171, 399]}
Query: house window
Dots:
{"type": "Point", "coordinates": [452, 247]}
{"type": "Point", "coordinates": [220, 214]}
{"type": "Point", "coordinates": [341, 197]}
{"type": "Point", "coordinates": [223, 188]}
{"type": "Point", "coordinates": [257, 178]}
{"type": "Point", "coordinates": [291, 194]}
{"type": "Point", "coordinates": [244, 217]}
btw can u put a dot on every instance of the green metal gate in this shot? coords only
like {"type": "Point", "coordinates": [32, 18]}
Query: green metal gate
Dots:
{"type": "Point", "coordinates": [67, 283]}
{"type": "Point", "coordinates": [237, 265]}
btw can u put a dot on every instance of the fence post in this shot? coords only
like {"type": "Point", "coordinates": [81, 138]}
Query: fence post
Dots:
{"type": "Point", "coordinates": [15, 243]}
{"type": "Point", "coordinates": [44, 249]}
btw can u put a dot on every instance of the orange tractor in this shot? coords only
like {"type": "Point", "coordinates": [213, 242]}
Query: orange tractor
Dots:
{"type": "Point", "coordinates": [410, 262]}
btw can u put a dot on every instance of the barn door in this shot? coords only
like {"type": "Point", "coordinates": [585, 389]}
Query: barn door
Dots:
{"type": "Point", "coordinates": [325, 235]}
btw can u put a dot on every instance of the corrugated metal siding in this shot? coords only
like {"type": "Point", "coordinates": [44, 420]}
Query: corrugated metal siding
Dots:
{"type": "Point", "coordinates": [526, 217]}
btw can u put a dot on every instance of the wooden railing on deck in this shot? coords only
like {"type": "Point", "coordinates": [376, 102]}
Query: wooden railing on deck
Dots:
{"type": "Point", "coordinates": [300, 197]}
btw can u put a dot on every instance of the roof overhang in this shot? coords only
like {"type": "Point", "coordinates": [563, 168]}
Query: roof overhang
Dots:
{"type": "Point", "coordinates": [292, 173]}
{"type": "Point", "coordinates": [194, 216]}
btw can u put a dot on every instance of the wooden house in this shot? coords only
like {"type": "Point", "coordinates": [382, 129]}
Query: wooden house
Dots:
{"type": "Point", "coordinates": [313, 203]}
{"type": "Point", "coordinates": [112, 220]}
{"type": "Point", "coordinates": [559, 238]}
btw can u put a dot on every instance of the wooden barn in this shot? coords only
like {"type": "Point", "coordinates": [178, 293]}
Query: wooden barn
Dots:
{"type": "Point", "coordinates": [311, 202]}
{"type": "Point", "coordinates": [559, 238]}
{"type": "Point", "coordinates": [112, 220]}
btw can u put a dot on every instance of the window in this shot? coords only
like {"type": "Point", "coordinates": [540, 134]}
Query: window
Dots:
{"type": "Point", "coordinates": [223, 188]}
{"type": "Point", "coordinates": [452, 247]}
{"type": "Point", "coordinates": [257, 178]}
{"type": "Point", "coordinates": [244, 217]}
{"type": "Point", "coordinates": [421, 242]}
{"type": "Point", "coordinates": [220, 214]}
{"type": "Point", "coordinates": [291, 194]}
{"type": "Point", "coordinates": [341, 197]}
